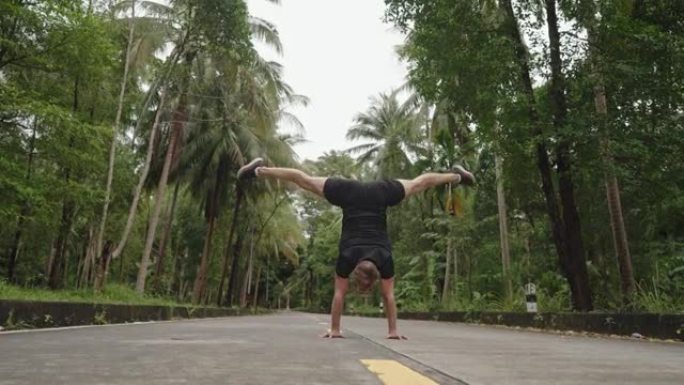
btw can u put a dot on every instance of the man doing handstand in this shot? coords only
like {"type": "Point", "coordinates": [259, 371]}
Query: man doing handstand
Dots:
{"type": "Point", "coordinates": [364, 249]}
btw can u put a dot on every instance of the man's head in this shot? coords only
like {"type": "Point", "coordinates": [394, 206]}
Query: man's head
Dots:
{"type": "Point", "coordinates": [365, 275]}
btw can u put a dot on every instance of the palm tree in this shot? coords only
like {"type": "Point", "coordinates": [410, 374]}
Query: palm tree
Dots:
{"type": "Point", "coordinates": [241, 107]}
{"type": "Point", "coordinates": [117, 122]}
{"type": "Point", "coordinates": [199, 43]}
{"type": "Point", "coordinates": [147, 35]}
{"type": "Point", "coordinates": [393, 129]}
{"type": "Point", "coordinates": [274, 231]}
{"type": "Point", "coordinates": [335, 163]}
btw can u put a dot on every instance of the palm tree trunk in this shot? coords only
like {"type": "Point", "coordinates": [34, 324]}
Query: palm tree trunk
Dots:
{"type": "Point", "coordinates": [83, 276]}
{"type": "Point", "coordinates": [503, 229]}
{"type": "Point", "coordinates": [447, 273]}
{"type": "Point", "coordinates": [454, 259]}
{"type": "Point", "coordinates": [170, 64]}
{"type": "Point", "coordinates": [165, 237]}
{"type": "Point", "coordinates": [267, 293]}
{"type": "Point", "coordinates": [232, 281]}
{"type": "Point", "coordinates": [103, 261]}
{"type": "Point", "coordinates": [174, 269]}
{"type": "Point", "coordinates": [200, 280]}
{"type": "Point", "coordinates": [143, 177]}
{"type": "Point", "coordinates": [211, 213]}
{"type": "Point", "coordinates": [179, 120]}
{"type": "Point", "coordinates": [255, 298]}
{"type": "Point", "coordinates": [115, 129]}
{"type": "Point", "coordinates": [239, 194]}
{"type": "Point", "coordinates": [247, 281]}
{"type": "Point", "coordinates": [179, 273]}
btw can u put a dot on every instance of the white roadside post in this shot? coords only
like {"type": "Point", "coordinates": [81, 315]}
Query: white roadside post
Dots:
{"type": "Point", "coordinates": [531, 297]}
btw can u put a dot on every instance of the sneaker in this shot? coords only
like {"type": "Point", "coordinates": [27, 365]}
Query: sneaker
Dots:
{"type": "Point", "coordinates": [467, 178]}
{"type": "Point", "coordinates": [248, 171]}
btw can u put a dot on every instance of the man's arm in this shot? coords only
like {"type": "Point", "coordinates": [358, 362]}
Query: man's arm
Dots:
{"type": "Point", "coordinates": [387, 287]}
{"type": "Point", "coordinates": [341, 286]}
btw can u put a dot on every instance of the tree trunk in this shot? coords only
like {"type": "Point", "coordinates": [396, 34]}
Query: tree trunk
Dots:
{"type": "Point", "coordinates": [25, 210]}
{"type": "Point", "coordinates": [255, 298]}
{"type": "Point", "coordinates": [617, 223]}
{"type": "Point", "coordinates": [170, 64]}
{"type": "Point", "coordinates": [503, 229]}
{"type": "Point", "coordinates": [447, 275]}
{"type": "Point", "coordinates": [575, 273]}
{"type": "Point", "coordinates": [575, 263]}
{"type": "Point", "coordinates": [115, 129]}
{"type": "Point", "coordinates": [179, 120]}
{"type": "Point", "coordinates": [543, 162]}
{"type": "Point", "coordinates": [170, 284]}
{"type": "Point", "coordinates": [454, 259]}
{"type": "Point", "coordinates": [268, 286]}
{"type": "Point", "coordinates": [200, 280]}
{"type": "Point", "coordinates": [103, 261]}
{"type": "Point", "coordinates": [232, 281]}
{"type": "Point", "coordinates": [226, 255]}
{"type": "Point", "coordinates": [141, 181]}
{"type": "Point", "coordinates": [58, 262]}
{"type": "Point", "coordinates": [621, 244]}
{"type": "Point", "coordinates": [88, 259]}
{"type": "Point", "coordinates": [247, 281]}
{"type": "Point", "coordinates": [165, 237]}
{"type": "Point", "coordinates": [58, 267]}
{"type": "Point", "coordinates": [179, 273]}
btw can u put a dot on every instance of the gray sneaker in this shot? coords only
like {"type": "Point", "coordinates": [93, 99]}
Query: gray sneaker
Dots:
{"type": "Point", "coordinates": [467, 178]}
{"type": "Point", "coordinates": [247, 171]}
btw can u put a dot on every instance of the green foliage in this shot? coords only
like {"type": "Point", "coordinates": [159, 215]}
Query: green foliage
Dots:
{"type": "Point", "coordinates": [113, 294]}
{"type": "Point", "coordinates": [61, 68]}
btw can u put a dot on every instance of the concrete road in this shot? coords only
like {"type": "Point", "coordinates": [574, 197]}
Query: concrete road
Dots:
{"type": "Point", "coordinates": [285, 349]}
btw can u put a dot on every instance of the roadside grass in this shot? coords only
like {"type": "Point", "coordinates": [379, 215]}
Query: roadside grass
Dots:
{"type": "Point", "coordinates": [114, 293]}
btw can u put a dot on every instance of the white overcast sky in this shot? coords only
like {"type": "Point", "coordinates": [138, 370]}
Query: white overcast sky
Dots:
{"type": "Point", "coordinates": [337, 53]}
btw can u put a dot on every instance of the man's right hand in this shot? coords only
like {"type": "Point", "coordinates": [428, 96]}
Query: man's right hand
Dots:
{"type": "Point", "coordinates": [330, 334]}
{"type": "Point", "coordinates": [396, 337]}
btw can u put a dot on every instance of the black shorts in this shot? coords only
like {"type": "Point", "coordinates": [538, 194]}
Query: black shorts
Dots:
{"type": "Point", "coordinates": [377, 194]}
{"type": "Point", "coordinates": [350, 257]}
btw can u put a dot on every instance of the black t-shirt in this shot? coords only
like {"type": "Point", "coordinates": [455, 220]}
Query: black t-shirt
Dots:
{"type": "Point", "coordinates": [364, 208]}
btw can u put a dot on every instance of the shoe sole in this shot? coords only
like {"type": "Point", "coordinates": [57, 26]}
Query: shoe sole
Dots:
{"type": "Point", "coordinates": [467, 178]}
{"type": "Point", "coordinates": [244, 171]}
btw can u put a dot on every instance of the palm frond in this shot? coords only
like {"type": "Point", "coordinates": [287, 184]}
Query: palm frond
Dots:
{"type": "Point", "coordinates": [265, 32]}
{"type": "Point", "coordinates": [152, 8]}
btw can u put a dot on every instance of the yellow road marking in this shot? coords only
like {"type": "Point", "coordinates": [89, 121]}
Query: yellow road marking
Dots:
{"type": "Point", "coordinates": [391, 372]}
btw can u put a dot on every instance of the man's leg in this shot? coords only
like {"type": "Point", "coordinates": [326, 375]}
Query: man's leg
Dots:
{"type": "Point", "coordinates": [433, 179]}
{"type": "Point", "coordinates": [310, 183]}
{"type": "Point", "coordinates": [341, 286]}
{"type": "Point", "coordinates": [255, 169]}
{"type": "Point", "coordinates": [387, 288]}
{"type": "Point", "coordinates": [426, 181]}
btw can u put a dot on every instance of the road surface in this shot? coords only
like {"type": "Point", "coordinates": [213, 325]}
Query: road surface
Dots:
{"type": "Point", "coordinates": [285, 349]}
